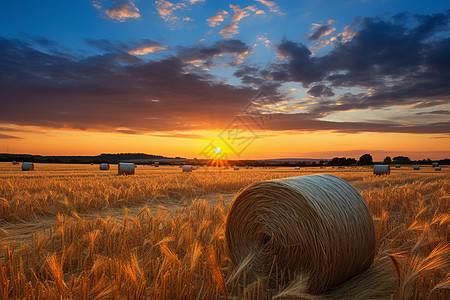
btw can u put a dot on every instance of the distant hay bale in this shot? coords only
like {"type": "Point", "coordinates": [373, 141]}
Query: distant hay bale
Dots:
{"type": "Point", "coordinates": [316, 225]}
{"type": "Point", "coordinates": [235, 168]}
{"type": "Point", "coordinates": [397, 166]}
{"type": "Point", "coordinates": [187, 168]}
{"type": "Point", "coordinates": [156, 164]}
{"type": "Point", "coordinates": [435, 164]}
{"type": "Point", "coordinates": [92, 164]}
{"type": "Point", "coordinates": [437, 168]}
{"type": "Point", "coordinates": [126, 168]}
{"type": "Point", "coordinates": [104, 166]}
{"type": "Point", "coordinates": [381, 170]}
{"type": "Point", "coordinates": [297, 168]}
{"type": "Point", "coordinates": [27, 166]}
{"type": "Point", "coordinates": [416, 167]}
{"type": "Point", "coordinates": [14, 162]}
{"type": "Point", "coordinates": [194, 167]}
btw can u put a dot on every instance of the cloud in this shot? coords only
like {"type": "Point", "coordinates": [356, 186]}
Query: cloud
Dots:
{"type": "Point", "coordinates": [320, 90]}
{"type": "Point", "coordinates": [384, 63]}
{"type": "Point", "coordinates": [166, 10]}
{"type": "Point", "coordinates": [101, 92]}
{"type": "Point", "coordinates": [396, 64]}
{"type": "Point", "coordinates": [239, 13]}
{"type": "Point", "coordinates": [118, 10]}
{"type": "Point", "coordinates": [205, 54]}
{"type": "Point", "coordinates": [434, 112]}
{"type": "Point", "coordinates": [141, 47]}
{"type": "Point", "coordinates": [387, 63]}
{"type": "Point", "coordinates": [146, 46]}
{"type": "Point", "coordinates": [8, 137]}
{"type": "Point", "coordinates": [218, 18]}
{"type": "Point", "coordinates": [270, 4]}
{"type": "Point", "coordinates": [321, 31]}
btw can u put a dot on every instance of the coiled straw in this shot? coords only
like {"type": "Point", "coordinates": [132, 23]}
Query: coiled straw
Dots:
{"type": "Point", "coordinates": [317, 225]}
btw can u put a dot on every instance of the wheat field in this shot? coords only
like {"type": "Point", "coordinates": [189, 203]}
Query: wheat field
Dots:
{"type": "Point", "coordinates": [72, 231]}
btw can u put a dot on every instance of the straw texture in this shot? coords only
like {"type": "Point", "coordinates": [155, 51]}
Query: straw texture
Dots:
{"type": "Point", "coordinates": [104, 166]}
{"type": "Point", "coordinates": [316, 225]}
{"type": "Point", "coordinates": [187, 168]}
{"type": "Point", "coordinates": [27, 166]}
{"type": "Point", "coordinates": [126, 168]}
{"type": "Point", "coordinates": [381, 170]}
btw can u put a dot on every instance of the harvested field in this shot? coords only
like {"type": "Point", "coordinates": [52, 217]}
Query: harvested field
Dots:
{"type": "Point", "coordinates": [77, 232]}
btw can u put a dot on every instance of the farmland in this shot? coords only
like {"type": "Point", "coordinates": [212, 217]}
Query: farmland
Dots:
{"type": "Point", "coordinates": [74, 232]}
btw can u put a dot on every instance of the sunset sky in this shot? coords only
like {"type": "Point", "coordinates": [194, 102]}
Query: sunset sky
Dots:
{"type": "Point", "coordinates": [324, 78]}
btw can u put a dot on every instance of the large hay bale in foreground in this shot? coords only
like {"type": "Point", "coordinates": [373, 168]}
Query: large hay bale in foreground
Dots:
{"type": "Point", "coordinates": [381, 170]}
{"type": "Point", "coordinates": [104, 166]}
{"type": "Point", "coordinates": [317, 225]}
{"type": "Point", "coordinates": [27, 166]}
{"type": "Point", "coordinates": [126, 168]}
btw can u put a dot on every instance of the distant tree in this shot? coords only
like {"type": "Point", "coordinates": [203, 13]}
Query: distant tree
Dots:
{"type": "Point", "coordinates": [334, 161]}
{"type": "Point", "coordinates": [365, 159]}
{"type": "Point", "coordinates": [342, 161]}
{"type": "Point", "coordinates": [350, 161]}
{"type": "Point", "coordinates": [401, 160]}
{"type": "Point", "coordinates": [387, 160]}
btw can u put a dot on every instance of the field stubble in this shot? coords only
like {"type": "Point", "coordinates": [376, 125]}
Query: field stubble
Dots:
{"type": "Point", "coordinates": [73, 231]}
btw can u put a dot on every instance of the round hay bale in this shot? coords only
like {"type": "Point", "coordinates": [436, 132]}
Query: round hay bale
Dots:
{"type": "Point", "coordinates": [437, 168]}
{"type": "Point", "coordinates": [126, 168]}
{"type": "Point", "coordinates": [14, 162]}
{"type": "Point", "coordinates": [194, 167]}
{"type": "Point", "coordinates": [156, 163]}
{"type": "Point", "coordinates": [27, 166]}
{"type": "Point", "coordinates": [381, 170]}
{"type": "Point", "coordinates": [187, 168]}
{"type": "Point", "coordinates": [416, 167]}
{"type": "Point", "coordinates": [318, 225]}
{"type": "Point", "coordinates": [397, 166]}
{"type": "Point", "coordinates": [297, 168]}
{"type": "Point", "coordinates": [435, 164]}
{"type": "Point", "coordinates": [235, 168]}
{"type": "Point", "coordinates": [104, 166]}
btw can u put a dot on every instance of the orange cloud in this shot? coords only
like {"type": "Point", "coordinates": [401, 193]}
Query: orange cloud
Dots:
{"type": "Point", "coordinates": [167, 10]}
{"type": "Point", "coordinates": [239, 13]}
{"type": "Point", "coordinates": [146, 49]}
{"type": "Point", "coordinates": [119, 10]}
{"type": "Point", "coordinates": [271, 5]}
{"type": "Point", "coordinates": [218, 18]}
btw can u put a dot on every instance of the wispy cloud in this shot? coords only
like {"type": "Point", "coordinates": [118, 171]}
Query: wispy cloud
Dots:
{"type": "Point", "coordinates": [218, 18]}
{"type": "Point", "coordinates": [239, 13]}
{"type": "Point", "coordinates": [271, 5]}
{"type": "Point", "coordinates": [117, 10]}
{"type": "Point", "coordinates": [141, 47]}
{"type": "Point", "coordinates": [166, 10]}
{"type": "Point", "coordinates": [8, 137]}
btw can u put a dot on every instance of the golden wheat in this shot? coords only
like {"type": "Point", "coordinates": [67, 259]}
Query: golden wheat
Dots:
{"type": "Point", "coordinates": [80, 233]}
